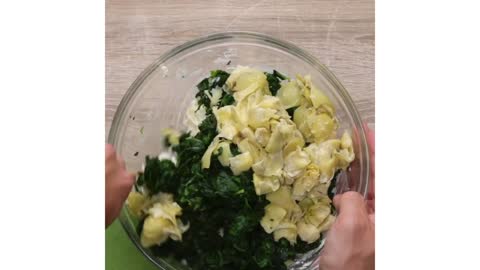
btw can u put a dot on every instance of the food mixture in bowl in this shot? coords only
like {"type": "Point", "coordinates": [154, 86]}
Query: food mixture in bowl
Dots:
{"type": "Point", "coordinates": [248, 184]}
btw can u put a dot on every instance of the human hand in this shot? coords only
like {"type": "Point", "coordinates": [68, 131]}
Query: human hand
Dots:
{"type": "Point", "coordinates": [118, 183]}
{"type": "Point", "coordinates": [350, 243]}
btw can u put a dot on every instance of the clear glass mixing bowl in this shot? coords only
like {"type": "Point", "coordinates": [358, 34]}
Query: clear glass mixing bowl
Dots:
{"type": "Point", "coordinates": [160, 95]}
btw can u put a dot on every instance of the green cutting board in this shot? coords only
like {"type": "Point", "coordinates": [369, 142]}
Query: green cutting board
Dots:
{"type": "Point", "coordinates": [121, 253]}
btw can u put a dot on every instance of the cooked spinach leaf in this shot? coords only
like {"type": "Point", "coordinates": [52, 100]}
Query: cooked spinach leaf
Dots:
{"type": "Point", "coordinates": [159, 175]}
{"type": "Point", "coordinates": [291, 111]}
{"type": "Point", "coordinates": [274, 80]}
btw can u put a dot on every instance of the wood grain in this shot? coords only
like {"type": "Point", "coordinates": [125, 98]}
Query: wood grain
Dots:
{"type": "Point", "coordinates": [339, 33]}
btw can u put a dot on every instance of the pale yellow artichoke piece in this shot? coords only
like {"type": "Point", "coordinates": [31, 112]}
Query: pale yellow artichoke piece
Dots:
{"type": "Point", "coordinates": [255, 150]}
{"type": "Point", "coordinates": [161, 197]}
{"type": "Point", "coordinates": [243, 77]}
{"type": "Point", "coordinates": [228, 131]}
{"type": "Point", "coordinates": [290, 94]}
{"type": "Point", "coordinates": [265, 184]}
{"type": "Point", "coordinates": [345, 155]}
{"type": "Point", "coordinates": [241, 163]}
{"type": "Point", "coordinates": [327, 223]}
{"type": "Point", "coordinates": [317, 97]}
{"type": "Point", "coordinates": [286, 127]}
{"type": "Point", "coordinates": [295, 163]}
{"type": "Point", "coordinates": [168, 211]}
{"type": "Point", "coordinates": [246, 145]}
{"type": "Point", "coordinates": [259, 117]}
{"type": "Point", "coordinates": [272, 218]}
{"type": "Point", "coordinates": [262, 135]}
{"type": "Point", "coordinates": [269, 102]}
{"type": "Point", "coordinates": [300, 80]}
{"type": "Point", "coordinates": [344, 158]}
{"type": "Point", "coordinates": [307, 232]}
{"type": "Point", "coordinates": [157, 230]}
{"type": "Point", "coordinates": [241, 95]}
{"type": "Point", "coordinates": [273, 164]}
{"type": "Point", "coordinates": [323, 156]}
{"type": "Point", "coordinates": [317, 213]}
{"type": "Point", "coordinates": [240, 114]}
{"type": "Point", "coordinates": [283, 198]}
{"type": "Point", "coordinates": [137, 202]}
{"type": "Point", "coordinates": [276, 142]}
{"type": "Point", "coordinates": [315, 126]}
{"type": "Point", "coordinates": [306, 182]}
{"type": "Point", "coordinates": [322, 126]}
{"type": "Point", "coordinates": [249, 134]}
{"type": "Point", "coordinates": [215, 96]}
{"type": "Point", "coordinates": [153, 232]}
{"type": "Point", "coordinates": [318, 152]}
{"type": "Point", "coordinates": [286, 230]}
{"type": "Point", "coordinates": [346, 142]}
{"type": "Point", "coordinates": [206, 158]}
{"type": "Point", "coordinates": [224, 114]}
{"type": "Point", "coordinates": [296, 214]}
{"type": "Point", "coordinates": [255, 99]}
{"type": "Point", "coordinates": [162, 221]}
{"type": "Point", "coordinates": [259, 166]}
{"type": "Point", "coordinates": [295, 141]}
{"type": "Point", "coordinates": [282, 131]}
{"type": "Point", "coordinates": [226, 122]}
{"type": "Point", "coordinates": [300, 117]}
{"type": "Point", "coordinates": [175, 232]}
{"type": "Point", "coordinates": [305, 204]}
{"type": "Point", "coordinates": [173, 136]}
{"type": "Point", "coordinates": [225, 155]}
{"type": "Point", "coordinates": [319, 191]}
{"type": "Point", "coordinates": [194, 116]}
{"type": "Point", "coordinates": [323, 199]}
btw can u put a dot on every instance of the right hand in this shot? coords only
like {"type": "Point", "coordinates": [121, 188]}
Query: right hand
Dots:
{"type": "Point", "coordinates": [350, 243]}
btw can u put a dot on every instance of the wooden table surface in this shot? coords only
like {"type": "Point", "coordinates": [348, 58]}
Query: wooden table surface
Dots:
{"type": "Point", "coordinates": [340, 33]}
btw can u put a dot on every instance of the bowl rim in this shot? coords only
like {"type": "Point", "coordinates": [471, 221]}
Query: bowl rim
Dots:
{"type": "Point", "coordinates": [232, 35]}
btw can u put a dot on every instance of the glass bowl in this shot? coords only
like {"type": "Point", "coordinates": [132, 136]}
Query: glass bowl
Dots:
{"type": "Point", "coordinates": [158, 98]}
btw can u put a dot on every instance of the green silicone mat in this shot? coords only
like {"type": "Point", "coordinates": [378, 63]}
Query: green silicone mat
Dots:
{"type": "Point", "coordinates": [121, 253]}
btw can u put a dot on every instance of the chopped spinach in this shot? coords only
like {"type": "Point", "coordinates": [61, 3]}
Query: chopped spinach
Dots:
{"type": "Point", "coordinates": [227, 99]}
{"type": "Point", "coordinates": [274, 80]}
{"type": "Point", "coordinates": [217, 79]}
{"type": "Point", "coordinates": [291, 111]}
{"type": "Point", "coordinates": [159, 175]}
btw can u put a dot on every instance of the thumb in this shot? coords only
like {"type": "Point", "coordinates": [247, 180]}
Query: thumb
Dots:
{"type": "Point", "coordinates": [349, 202]}
{"type": "Point", "coordinates": [372, 218]}
{"type": "Point", "coordinates": [336, 201]}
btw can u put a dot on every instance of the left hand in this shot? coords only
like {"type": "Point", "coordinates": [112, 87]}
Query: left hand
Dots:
{"type": "Point", "coordinates": [118, 183]}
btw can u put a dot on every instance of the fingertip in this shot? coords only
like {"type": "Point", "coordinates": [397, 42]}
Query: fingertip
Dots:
{"type": "Point", "coordinates": [336, 201]}
{"type": "Point", "coordinates": [121, 162]}
{"type": "Point", "coordinates": [371, 206]}
{"type": "Point", "coordinates": [365, 126]}
{"type": "Point", "coordinates": [109, 151]}
{"type": "Point", "coordinates": [372, 218]}
{"type": "Point", "coordinates": [109, 147]}
{"type": "Point", "coordinates": [132, 178]}
{"type": "Point", "coordinates": [349, 198]}
{"type": "Point", "coordinates": [352, 196]}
